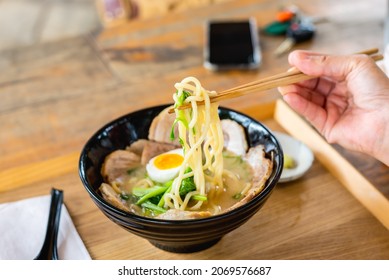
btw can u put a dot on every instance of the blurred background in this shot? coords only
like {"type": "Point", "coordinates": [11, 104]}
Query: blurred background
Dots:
{"type": "Point", "coordinates": [25, 22]}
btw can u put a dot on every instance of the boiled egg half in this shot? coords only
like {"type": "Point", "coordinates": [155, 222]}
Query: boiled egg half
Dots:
{"type": "Point", "coordinates": [166, 166]}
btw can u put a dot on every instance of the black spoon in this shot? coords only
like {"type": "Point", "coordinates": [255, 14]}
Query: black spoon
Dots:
{"type": "Point", "coordinates": [49, 248]}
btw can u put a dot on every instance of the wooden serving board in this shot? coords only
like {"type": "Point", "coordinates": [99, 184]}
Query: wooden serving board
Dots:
{"type": "Point", "coordinates": [374, 198]}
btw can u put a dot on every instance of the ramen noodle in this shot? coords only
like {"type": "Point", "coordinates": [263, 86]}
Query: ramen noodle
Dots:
{"type": "Point", "coordinates": [203, 168]}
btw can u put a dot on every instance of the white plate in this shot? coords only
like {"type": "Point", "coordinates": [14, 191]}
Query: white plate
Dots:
{"type": "Point", "coordinates": [300, 153]}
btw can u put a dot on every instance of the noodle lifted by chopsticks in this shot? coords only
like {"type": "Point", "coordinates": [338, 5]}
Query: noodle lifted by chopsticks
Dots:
{"type": "Point", "coordinates": [201, 136]}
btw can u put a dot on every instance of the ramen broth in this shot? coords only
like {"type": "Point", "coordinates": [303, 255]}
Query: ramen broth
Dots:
{"type": "Point", "coordinates": [236, 180]}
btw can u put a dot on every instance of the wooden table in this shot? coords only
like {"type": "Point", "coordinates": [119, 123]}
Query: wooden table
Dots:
{"type": "Point", "coordinates": [55, 95]}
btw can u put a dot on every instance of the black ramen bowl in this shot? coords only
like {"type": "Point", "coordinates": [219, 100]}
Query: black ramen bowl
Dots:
{"type": "Point", "coordinates": [180, 236]}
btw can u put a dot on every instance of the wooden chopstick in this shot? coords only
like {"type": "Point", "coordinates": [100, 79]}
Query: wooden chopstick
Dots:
{"type": "Point", "coordinates": [291, 76]}
{"type": "Point", "coordinates": [368, 51]}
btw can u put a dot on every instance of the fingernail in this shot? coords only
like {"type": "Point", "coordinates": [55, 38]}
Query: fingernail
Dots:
{"type": "Point", "coordinates": [282, 90]}
{"type": "Point", "coordinates": [315, 57]}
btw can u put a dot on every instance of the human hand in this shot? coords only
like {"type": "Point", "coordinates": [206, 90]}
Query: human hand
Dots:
{"type": "Point", "coordinates": [348, 103]}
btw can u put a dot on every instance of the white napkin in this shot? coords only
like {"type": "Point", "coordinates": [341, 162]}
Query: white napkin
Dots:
{"type": "Point", "coordinates": [23, 229]}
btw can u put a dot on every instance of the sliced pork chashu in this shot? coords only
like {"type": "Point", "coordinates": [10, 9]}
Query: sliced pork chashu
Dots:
{"type": "Point", "coordinates": [138, 153]}
{"type": "Point", "coordinates": [137, 146]}
{"type": "Point", "coordinates": [234, 137]}
{"type": "Point", "coordinates": [161, 127]}
{"type": "Point", "coordinates": [152, 149]}
{"type": "Point", "coordinates": [117, 163]}
{"type": "Point", "coordinates": [175, 214]}
{"type": "Point", "coordinates": [112, 197]}
{"type": "Point", "coordinates": [147, 149]}
{"type": "Point", "coordinates": [233, 133]}
{"type": "Point", "coordinates": [262, 168]}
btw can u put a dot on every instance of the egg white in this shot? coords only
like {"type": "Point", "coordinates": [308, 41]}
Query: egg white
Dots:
{"type": "Point", "coordinates": [163, 175]}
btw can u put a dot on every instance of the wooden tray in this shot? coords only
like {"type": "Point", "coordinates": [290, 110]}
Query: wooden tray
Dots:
{"type": "Point", "coordinates": [374, 198]}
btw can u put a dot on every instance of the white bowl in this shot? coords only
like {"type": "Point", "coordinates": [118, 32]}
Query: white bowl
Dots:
{"type": "Point", "coordinates": [300, 153]}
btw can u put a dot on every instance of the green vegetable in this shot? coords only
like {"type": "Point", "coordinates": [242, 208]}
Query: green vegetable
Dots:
{"type": "Point", "coordinates": [139, 192]}
{"type": "Point", "coordinates": [237, 196]}
{"type": "Point", "coordinates": [168, 183]}
{"type": "Point", "coordinates": [161, 201]}
{"type": "Point", "coordinates": [182, 144]}
{"type": "Point", "coordinates": [147, 193]}
{"type": "Point", "coordinates": [187, 184]}
{"type": "Point", "coordinates": [178, 119]}
{"type": "Point", "coordinates": [154, 208]}
{"type": "Point", "coordinates": [129, 171]}
{"type": "Point", "coordinates": [124, 196]}
{"type": "Point", "coordinates": [199, 197]}
{"type": "Point", "coordinates": [180, 116]}
{"type": "Point", "coordinates": [185, 94]}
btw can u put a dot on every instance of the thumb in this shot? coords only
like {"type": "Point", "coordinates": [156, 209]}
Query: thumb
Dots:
{"type": "Point", "coordinates": [315, 64]}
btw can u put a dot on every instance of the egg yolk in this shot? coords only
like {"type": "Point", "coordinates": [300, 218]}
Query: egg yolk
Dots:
{"type": "Point", "coordinates": [167, 161]}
